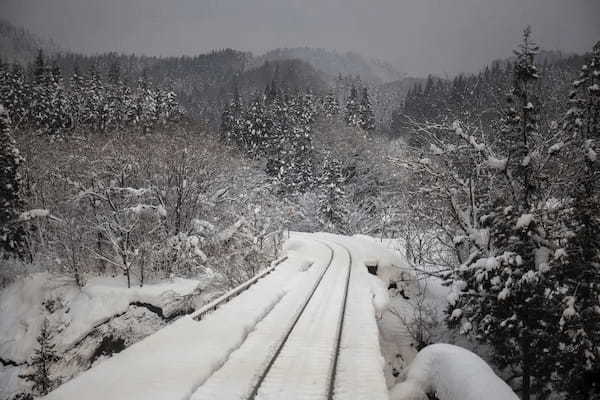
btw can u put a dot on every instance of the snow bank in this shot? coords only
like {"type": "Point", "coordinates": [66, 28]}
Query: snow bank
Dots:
{"type": "Point", "coordinates": [75, 312]}
{"type": "Point", "coordinates": [391, 265]}
{"type": "Point", "coordinates": [452, 373]}
{"type": "Point", "coordinates": [379, 291]}
{"type": "Point", "coordinates": [103, 298]}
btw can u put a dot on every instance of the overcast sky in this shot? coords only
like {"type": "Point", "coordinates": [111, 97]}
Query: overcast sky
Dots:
{"type": "Point", "coordinates": [417, 36]}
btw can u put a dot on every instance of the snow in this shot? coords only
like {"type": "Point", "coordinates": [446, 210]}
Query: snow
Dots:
{"type": "Point", "coordinates": [360, 364]}
{"type": "Point", "coordinates": [35, 213]}
{"type": "Point", "coordinates": [224, 354]}
{"type": "Point", "coordinates": [316, 334]}
{"type": "Point", "coordinates": [103, 298]}
{"type": "Point", "coordinates": [569, 312]}
{"type": "Point", "coordinates": [192, 350]}
{"type": "Point", "coordinates": [591, 155]}
{"type": "Point", "coordinates": [556, 147]}
{"type": "Point", "coordinates": [497, 163]}
{"type": "Point", "coordinates": [560, 253]}
{"type": "Point", "coordinates": [363, 377]}
{"type": "Point", "coordinates": [524, 221]}
{"type": "Point", "coordinates": [148, 208]}
{"type": "Point", "coordinates": [436, 150]}
{"type": "Point", "coordinates": [542, 255]}
{"type": "Point", "coordinates": [452, 373]}
{"type": "Point", "coordinates": [237, 377]}
{"type": "Point", "coordinates": [21, 309]}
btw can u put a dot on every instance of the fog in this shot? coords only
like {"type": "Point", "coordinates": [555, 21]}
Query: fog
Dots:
{"type": "Point", "coordinates": [417, 36]}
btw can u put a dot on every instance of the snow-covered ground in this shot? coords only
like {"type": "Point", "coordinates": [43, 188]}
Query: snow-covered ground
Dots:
{"type": "Point", "coordinates": [79, 316]}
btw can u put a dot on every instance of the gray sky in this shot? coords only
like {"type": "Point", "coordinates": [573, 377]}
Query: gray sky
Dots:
{"type": "Point", "coordinates": [417, 36]}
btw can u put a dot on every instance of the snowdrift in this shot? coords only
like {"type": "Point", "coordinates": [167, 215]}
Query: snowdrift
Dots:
{"type": "Point", "coordinates": [452, 373]}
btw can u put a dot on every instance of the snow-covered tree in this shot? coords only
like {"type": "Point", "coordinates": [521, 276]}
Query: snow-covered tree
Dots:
{"type": "Point", "coordinates": [365, 110]}
{"type": "Point", "coordinates": [332, 209]}
{"type": "Point", "coordinates": [352, 114]}
{"type": "Point", "coordinates": [331, 107]}
{"type": "Point", "coordinates": [492, 198]}
{"type": "Point", "coordinates": [12, 234]}
{"type": "Point", "coordinates": [575, 265]}
{"type": "Point", "coordinates": [44, 356]}
{"type": "Point", "coordinates": [504, 294]}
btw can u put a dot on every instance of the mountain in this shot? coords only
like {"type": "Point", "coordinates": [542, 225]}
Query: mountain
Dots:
{"type": "Point", "coordinates": [333, 63]}
{"type": "Point", "coordinates": [288, 74]}
{"type": "Point", "coordinates": [18, 45]}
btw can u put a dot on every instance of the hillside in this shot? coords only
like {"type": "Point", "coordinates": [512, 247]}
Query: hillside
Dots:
{"type": "Point", "coordinates": [332, 63]}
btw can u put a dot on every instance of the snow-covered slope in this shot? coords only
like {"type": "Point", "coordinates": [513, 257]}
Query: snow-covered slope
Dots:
{"type": "Point", "coordinates": [85, 322]}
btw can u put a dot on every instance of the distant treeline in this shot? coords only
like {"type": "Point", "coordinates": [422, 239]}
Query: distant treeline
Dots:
{"type": "Point", "coordinates": [40, 99]}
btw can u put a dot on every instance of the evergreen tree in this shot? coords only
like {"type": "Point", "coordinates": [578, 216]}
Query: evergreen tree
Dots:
{"type": "Point", "coordinates": [41, 362]}
{"type": "Point", "coordinates": [114, 73]}
{"type": "Point", "coordinates": [367, 118]}
{"type": "Point", "coordinates": [12, 236]}
{"type": "Point", "coordinates": [332, 210]}
{"type": "Point", "coordinates": [331, 107]}
{"type": "Point", "coordinates": [352, 116]}
{"type": "Point", "coordinates": [504, 294]}
{"type": "Point", "coordinates": [39, 67]}
{"type": "Point", "coordinates": [576, 267]}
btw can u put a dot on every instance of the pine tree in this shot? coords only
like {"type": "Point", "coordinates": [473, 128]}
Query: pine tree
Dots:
{"type": "Point", "coordinates": [12, 236]}
{"type": "Point", "coordinates": [367, 118]}
{"type": "Point", "coordinates": [331, 108]}
{"type": "Point", "coordinates": [576, 267]}
{"type": "Point", "coordinates": [332, 210]}
{"type": "Point", "coordinates": [352, 116]}
{"type": "Point", "coordinates": [231, 117]}
{"type": "Point", "coordinates": [114, 73]}
{"type": "Point", "coordinates": [504, 295]}
{"type": "Point", "coordinates": [41, 362]}
{"type": "Point", "coordinates": [39, 67]}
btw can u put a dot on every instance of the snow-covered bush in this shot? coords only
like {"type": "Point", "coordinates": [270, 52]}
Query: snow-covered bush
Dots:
{"type": "Point", "coordinates": [450, 373]}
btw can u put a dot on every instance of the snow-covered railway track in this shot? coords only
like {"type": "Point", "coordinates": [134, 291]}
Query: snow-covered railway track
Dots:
{"type": "Point", "coordinates": [305, 365]}
{"type": "Point", "coordinates": [293, 352]}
